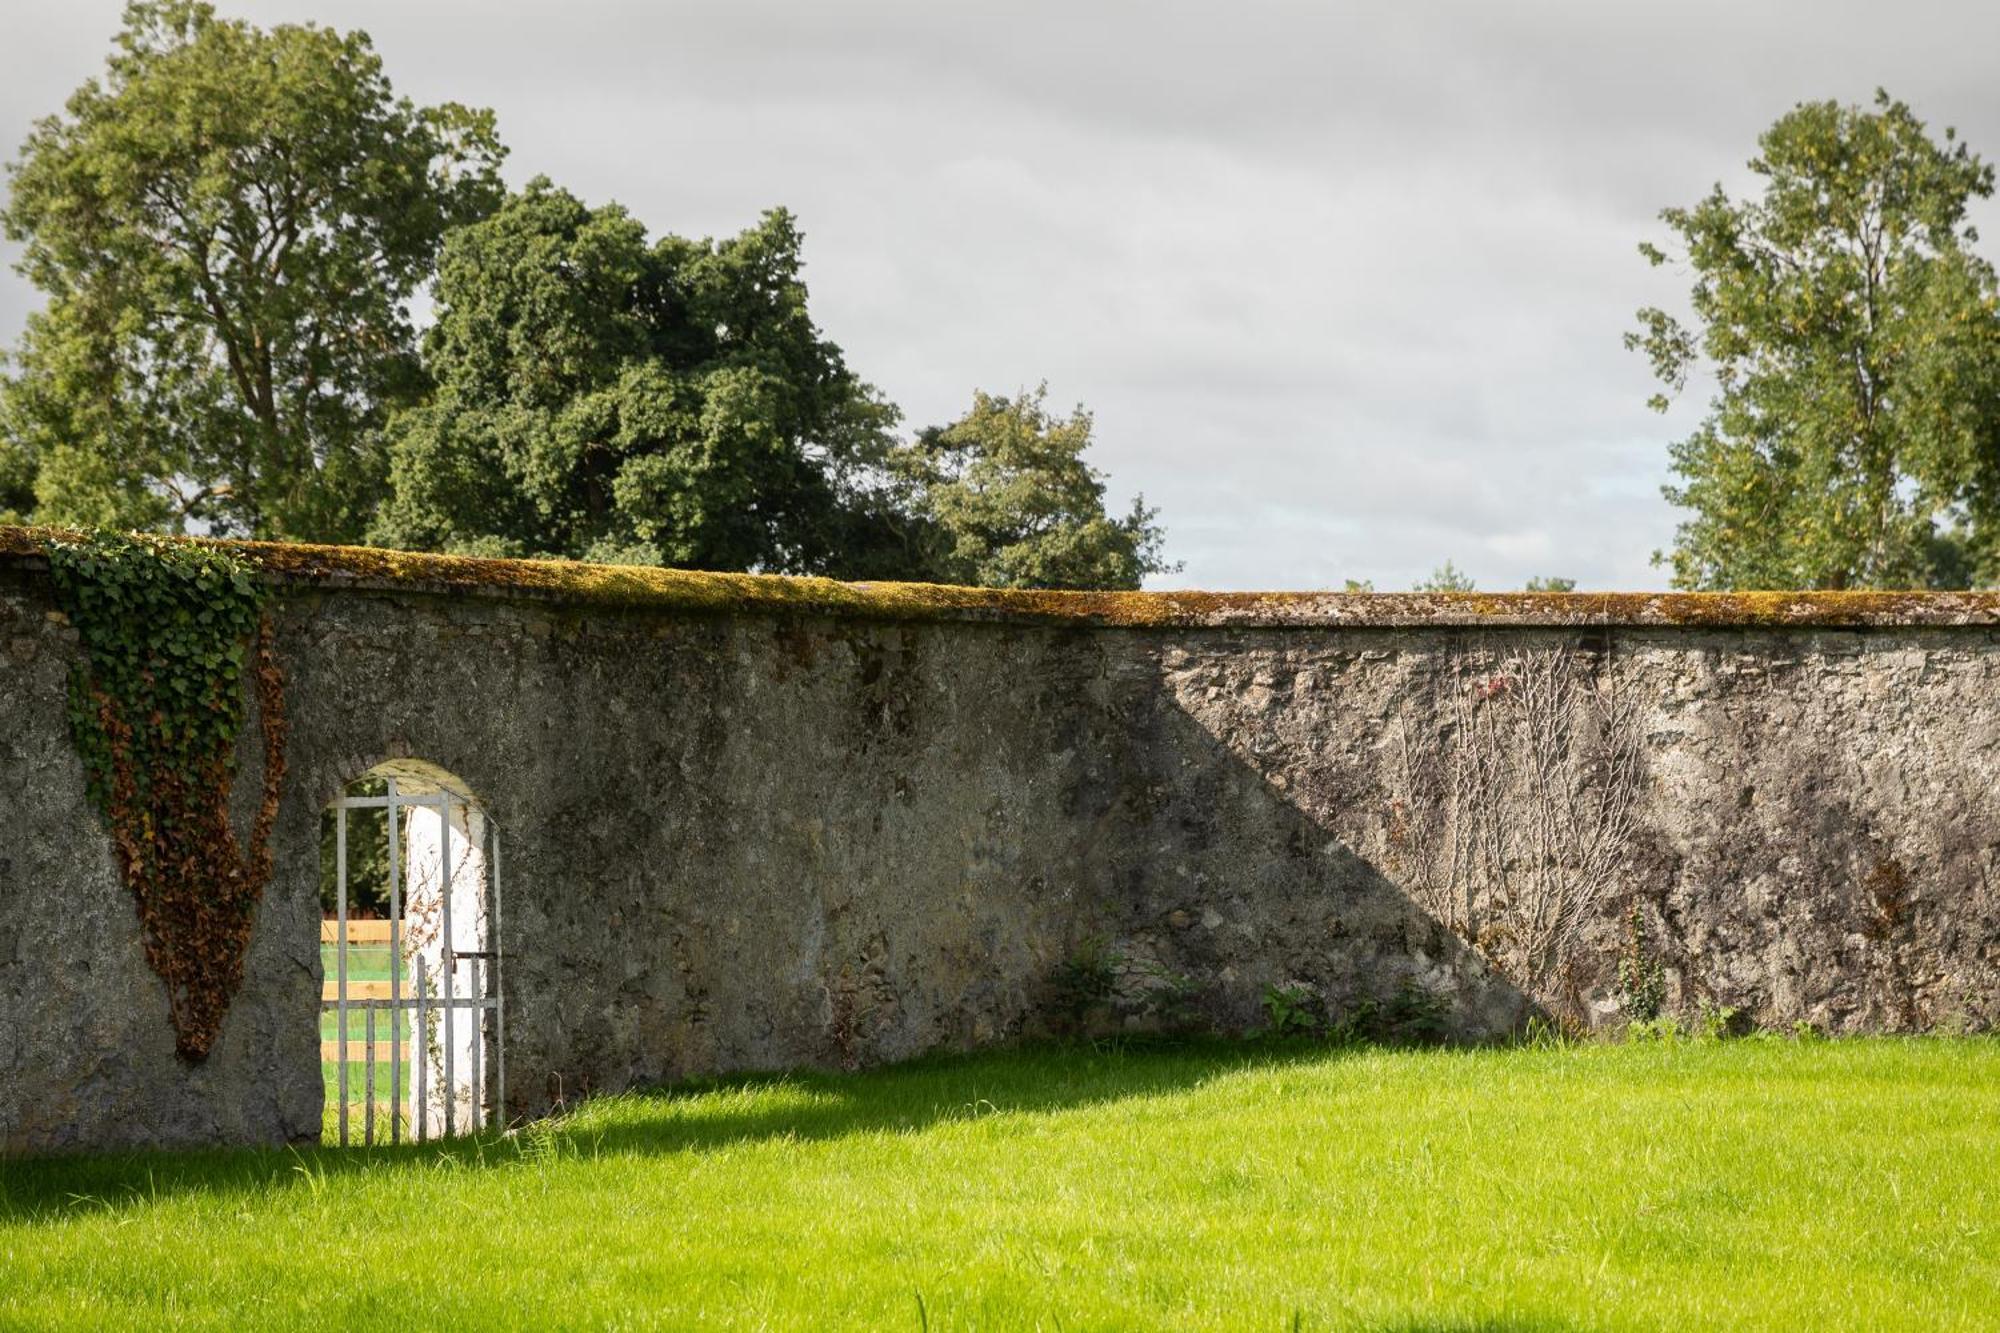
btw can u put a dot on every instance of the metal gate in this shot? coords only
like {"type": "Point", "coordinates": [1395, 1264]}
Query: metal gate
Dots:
{"type": "Point", "coordinates": [432, 1030]}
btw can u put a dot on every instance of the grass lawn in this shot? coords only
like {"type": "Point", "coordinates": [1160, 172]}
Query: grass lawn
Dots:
{"type": "Point", "coordinates": [365, 962]}
{"type": "Point", "coordinates": [1752, 1184]}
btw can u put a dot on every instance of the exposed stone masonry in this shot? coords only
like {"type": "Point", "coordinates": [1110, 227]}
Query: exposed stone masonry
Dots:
{"type": "Point", "coordinates": [755, 823]}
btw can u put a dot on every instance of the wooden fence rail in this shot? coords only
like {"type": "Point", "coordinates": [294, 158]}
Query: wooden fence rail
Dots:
{"type": "Point", "coordinates": [358, 932]}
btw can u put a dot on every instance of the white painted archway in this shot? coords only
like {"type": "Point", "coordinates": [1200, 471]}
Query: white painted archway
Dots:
{"type": "Point", "coordinates": [441, 1012]}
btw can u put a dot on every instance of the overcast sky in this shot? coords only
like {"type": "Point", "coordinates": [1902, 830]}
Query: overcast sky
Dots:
{"type": "Point", "coordinates": [1343, 285]}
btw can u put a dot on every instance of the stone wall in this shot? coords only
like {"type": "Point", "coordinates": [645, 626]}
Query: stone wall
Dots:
{"type": "Point", "coordinates": [757, 823]}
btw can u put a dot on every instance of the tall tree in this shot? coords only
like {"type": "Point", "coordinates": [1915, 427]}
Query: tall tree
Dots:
{"type": "Point", "coordinates": [601, 396]}
{"type": "Point", "coordinates": [1005, 499]}
{"type": "Point", "coordinates": [228, 228]}
{"type": "Point", "coordinates": [1854, 436]}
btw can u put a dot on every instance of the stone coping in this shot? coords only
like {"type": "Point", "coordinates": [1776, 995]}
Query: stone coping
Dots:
{"type": "Point", "coordinates": [633, 587]}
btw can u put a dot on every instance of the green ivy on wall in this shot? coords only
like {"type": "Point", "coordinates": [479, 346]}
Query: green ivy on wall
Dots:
{"type": "Point", "coordinates": [169, 630]}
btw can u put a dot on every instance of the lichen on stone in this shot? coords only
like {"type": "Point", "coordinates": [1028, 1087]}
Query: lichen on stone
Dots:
{"type": "Point", "coordinates": [648, 588]}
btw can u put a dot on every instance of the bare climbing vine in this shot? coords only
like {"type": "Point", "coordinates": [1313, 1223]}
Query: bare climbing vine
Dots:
{"type": "Point", "coordinates": [1518, 779]}
{"type": "Point", "coordinates": [168, 630]}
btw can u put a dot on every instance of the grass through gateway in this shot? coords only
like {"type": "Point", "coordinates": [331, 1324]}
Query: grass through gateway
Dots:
{"type": "Point", "coordinates": [365, 962]}
{"type": "Point", "coordinates": [1760, 1183]}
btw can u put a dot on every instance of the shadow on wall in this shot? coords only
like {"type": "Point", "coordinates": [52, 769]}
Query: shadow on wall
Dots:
{"type": "Point", "coordinates": [1796, 826]}
{"type": "Point", "coordinates": [1456, 820]}
{"type": "Point", "coordinates": [1229, 886]}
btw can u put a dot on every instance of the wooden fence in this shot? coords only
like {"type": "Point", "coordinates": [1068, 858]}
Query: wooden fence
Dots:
{"type": "Point", "coordinates": [373, 936]}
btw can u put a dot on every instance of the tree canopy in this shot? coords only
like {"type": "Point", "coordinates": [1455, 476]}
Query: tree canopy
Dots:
{"type": "Point", "coordinates": [230, 228]}
{"type": "Point", "coordinates": [603, 396]}
{"type": "Point", "coordinates": [227, 228]}
{"type": "Point", "coordinates": [1852, 336]}
{"type": "Point", "coordinates": [1004, 498]}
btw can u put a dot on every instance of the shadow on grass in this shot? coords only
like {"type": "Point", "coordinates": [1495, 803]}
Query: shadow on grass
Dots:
{"type": "Point", "coordinates": [1041, 1078]}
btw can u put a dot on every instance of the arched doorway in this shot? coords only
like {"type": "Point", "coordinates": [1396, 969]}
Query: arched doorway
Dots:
{"type": "Point", "coordinates": [411, 1011]}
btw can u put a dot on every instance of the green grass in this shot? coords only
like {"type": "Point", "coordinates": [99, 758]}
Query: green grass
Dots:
{"type": "Point", "coordinates": [1752, 1184]}
{"type": "Point", "coordinates": [365, 962]}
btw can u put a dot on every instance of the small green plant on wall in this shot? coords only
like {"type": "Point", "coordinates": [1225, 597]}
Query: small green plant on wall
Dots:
{"type": "Point", "coordinates": [1414, 1016]}
{"type": "Point", "coordinates": [1171, 998]}
{"type": "Point", "coordinates": [1642, 981]}
{"type": "Point", "coordinates": [1292, 1009]}
{"type": "Point", "coordinates": [168, 630]}
{"type": "Point", "coordinates": [1098, 982]}
{"type": "Point", "coordinates": [1086, 979]}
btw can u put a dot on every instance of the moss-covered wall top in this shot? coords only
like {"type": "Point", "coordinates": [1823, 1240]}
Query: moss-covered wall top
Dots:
{"type": "Point", "coordinates": [635, 587]}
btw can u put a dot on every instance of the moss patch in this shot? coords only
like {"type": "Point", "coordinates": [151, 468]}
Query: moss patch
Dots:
{"type": "Point", "coordinates": [644, 587]}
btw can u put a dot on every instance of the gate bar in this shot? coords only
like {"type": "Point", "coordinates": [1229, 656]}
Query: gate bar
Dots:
{"type": "Point", "coordinates": [422, 1089]}
{"type": "Point", "coordinates": [340, 957]}
{"type": "Point", "coordinates": [391, 802]}
{"type": "Point", "coordinates": [368, 1116]}
{"type": "Point", "coordinates": [450, 977]}
{"type": "Point", "coordinates": [462, 1002]}
{"type": "Point", "coordinates": [395, 981]}
{"type": "Point", "coordinates": [499, 986]}
{"type": "Point", "coordinates": [404, 801]}
{"type": "Point", "coordinates": [478, 1040]}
